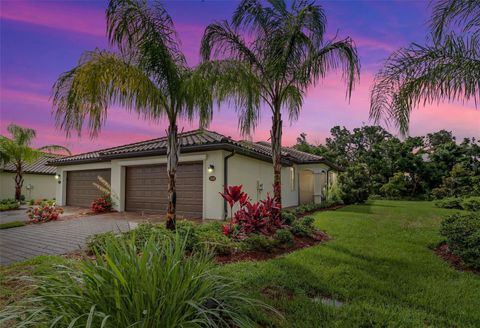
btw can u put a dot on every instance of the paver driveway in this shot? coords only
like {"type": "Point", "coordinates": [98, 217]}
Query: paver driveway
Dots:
{"type": "Point", "coordinates": [54, 238]}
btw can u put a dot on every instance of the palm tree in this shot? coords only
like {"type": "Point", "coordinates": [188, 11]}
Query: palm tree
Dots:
{"type": "Point", "coordinates": [145, 71]}
{"type": "Point", "coordinates": [446, 69]}
{"type": "Point", "coordinates": [271, 54]}
{"type": "Point", "coordinates": [18, 151]}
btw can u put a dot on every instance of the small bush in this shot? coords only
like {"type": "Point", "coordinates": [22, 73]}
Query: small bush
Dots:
{"type": "Point", "coordinates": [102, 204]}
{"type": "Point", "coordinates": [158, 287]}
{"type": "Point", "coordinates": [303, 227]}
{"type": "Point", "coordinates": [210, 236]}
{"type": "Point", "coordinates": [8, 205]}
{"type": "Point", "coordinates": [463, 237]}
{"type": "Point", "coordinates": [284, 237]}
{"type": "Point", "coordinates": [44, 213]}
{"type": "Point", "coordinates": [257, 242]}
{"type": "Point", "coordinates": [449, 202]}
{"type": "Point", "coordinates": [471, 203]}
{"type": "Point", "coordinates": [288, 217]}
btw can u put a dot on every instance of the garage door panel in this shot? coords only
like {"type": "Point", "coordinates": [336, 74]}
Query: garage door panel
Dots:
{"type": "Point", "coordinates": [80, 189]}
{"type": "Point", "coordinates": [146, 189]}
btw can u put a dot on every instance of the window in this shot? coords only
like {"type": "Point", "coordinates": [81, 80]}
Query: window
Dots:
{"type": "Point", "coordinates": [292, 179]}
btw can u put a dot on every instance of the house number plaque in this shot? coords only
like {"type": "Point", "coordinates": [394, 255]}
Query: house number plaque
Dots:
{"type": "Point", "coordinates": [212, 178]}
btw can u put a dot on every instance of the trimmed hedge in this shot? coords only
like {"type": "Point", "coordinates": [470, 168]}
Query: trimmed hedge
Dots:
{"type": "Point", "coordinates": [462, 231]}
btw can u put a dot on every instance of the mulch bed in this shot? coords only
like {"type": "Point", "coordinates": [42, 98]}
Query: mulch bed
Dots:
{"type": "Point", "coordinates": [444, 252]}
{"type": "Point", "coordinates": [299, 243]}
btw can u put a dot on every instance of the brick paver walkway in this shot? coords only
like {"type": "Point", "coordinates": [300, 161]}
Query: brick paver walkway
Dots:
{"type": "Point", "coordinates": [53, 238]}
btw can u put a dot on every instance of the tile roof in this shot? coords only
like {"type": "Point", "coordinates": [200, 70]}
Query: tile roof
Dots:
{"type": "Point", "coordinates": [191, 141]}
{"type": "Point", "coordinates": [38, 167]}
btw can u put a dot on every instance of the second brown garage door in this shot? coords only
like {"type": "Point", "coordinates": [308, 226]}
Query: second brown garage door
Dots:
{"type": "Point", "coordinates": [146, 189]}
{"type": "Point", "coordinates": [80, 189]}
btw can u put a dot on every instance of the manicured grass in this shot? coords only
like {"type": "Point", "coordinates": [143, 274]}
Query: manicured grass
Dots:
{"type": "Point", "coordinates": [379, 264]}
{"type": "Point", "coordinates": [13, 224]}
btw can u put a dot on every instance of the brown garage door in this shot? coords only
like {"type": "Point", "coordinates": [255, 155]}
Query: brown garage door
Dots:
{"type": "Point", "coordinates": [80, 189]}
{"type": "Point", "coordinates": [146, 189]}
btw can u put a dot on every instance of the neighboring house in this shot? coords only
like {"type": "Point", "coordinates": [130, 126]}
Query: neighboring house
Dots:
{"type": "Point", "coordinates": [39, 179]}
{"type": "Point", "coordinates": [208, 162]}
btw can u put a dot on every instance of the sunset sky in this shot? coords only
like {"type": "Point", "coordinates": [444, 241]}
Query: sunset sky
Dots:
{"type": "Point", "coordinates": [42, 39]}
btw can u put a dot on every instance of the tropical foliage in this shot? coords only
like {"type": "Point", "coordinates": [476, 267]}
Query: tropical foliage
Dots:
{"type": "Point", "coordinates": [17, 149]}
{"type": "Point", "coordinates": [144, 71]}
{"type": "Point", "coordinates": [435, 165]}
{"type": "Point", "coordinates": [270, 53]}
{"type": "Point", "coordinates": [159, 287]}
{"type": "Point", "coordinates": [445, 69]}
{"type": "Point", "coordinates": [462, 232]}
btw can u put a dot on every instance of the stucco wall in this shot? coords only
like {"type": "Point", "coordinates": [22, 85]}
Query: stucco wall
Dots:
{"type": "Point", "coordinates": [242, 170]}
{"type": "Point", "coordinates": [43, 186]}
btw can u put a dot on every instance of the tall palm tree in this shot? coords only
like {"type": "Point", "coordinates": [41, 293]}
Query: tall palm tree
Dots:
{"type": "Point", "coordinates": [18, 151]}
{"type": "Point", "coordinates": [272, 54]}
{"type": "Point", "coordinates": [446, 69]}
{"type": "Point", "coordinates": [145, 71]}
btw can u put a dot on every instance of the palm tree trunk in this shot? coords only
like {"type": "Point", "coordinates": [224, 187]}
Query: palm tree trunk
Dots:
{"type": "Point", "coordinates": [18, 182]}
{"type": "Point", "coordinates": [173, 151]}
{"type": "Point", "coordinates": [276, 137]}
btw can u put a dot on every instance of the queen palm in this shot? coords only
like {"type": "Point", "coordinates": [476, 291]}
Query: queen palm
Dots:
{"type": "Point", "coordinates": [18, 150]}
{"type": "Point", "coordinates": [446, 69]}
{"type": "Point", "coordinates": [145, 72]}
{"type": "Point", "coordinates": [278, 52]}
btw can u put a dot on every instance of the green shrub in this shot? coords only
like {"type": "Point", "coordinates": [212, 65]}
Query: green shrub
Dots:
{"type": "Point", "coordinates": [354, 184]}
{"type": "Point", "coordinates": [288, 217]}
{"type": "Point", "coordinates": [471, 203]}
{"type": "Point", "coordinates": [449, 202]}
{"type": "Point", "coordinates": [284, 236]}
{"type": "Point", "coordinates": [9, 204]}
{"type": "Point", "coordinates": [158, 287]}
{"type": "Point", "coordinates": [463, 237]}
{"type": "Point", "coordinates": [303, 227]}
{"type": "Point", "coordinates": [256, 242]}
{"type": "Point", "coordinates": [210, 236]}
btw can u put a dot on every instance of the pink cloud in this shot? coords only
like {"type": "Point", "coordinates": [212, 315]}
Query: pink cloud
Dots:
{"type": "Point", "coordinates": [56, 15]}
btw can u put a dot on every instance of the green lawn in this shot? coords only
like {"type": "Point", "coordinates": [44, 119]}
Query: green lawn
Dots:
{"type": "Point", "coordinates": [379, 264]}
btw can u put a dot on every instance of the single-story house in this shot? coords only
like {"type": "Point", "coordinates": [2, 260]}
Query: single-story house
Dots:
{"type": "Point", "coordinates": [208, 162]}
{"type": "Point", "coordinates": [39, 179]}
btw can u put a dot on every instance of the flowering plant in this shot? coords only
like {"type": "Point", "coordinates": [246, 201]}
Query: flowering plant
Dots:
{"type": "Point", "coordinates": [262, 217]}
{"type": "Point", "coordinates": [44, 213]}
{"type": "Point", "coordinates": [102, 204]}
{"type": "Point", "coordinates": [234, 194]}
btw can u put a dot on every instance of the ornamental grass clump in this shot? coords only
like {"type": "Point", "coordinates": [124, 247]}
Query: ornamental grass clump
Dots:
{"type": "Point", "coordinates": [158, 287]}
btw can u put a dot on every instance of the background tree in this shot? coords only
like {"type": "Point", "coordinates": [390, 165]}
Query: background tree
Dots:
{"type": "Point", "coordinates": [279, 52]}
{"type": "Point", "coordinates": [145, 71]}
{"type": "Point", "coordinates": [18, 150]}
{"type": "Point", "coordinates": [446, 69]}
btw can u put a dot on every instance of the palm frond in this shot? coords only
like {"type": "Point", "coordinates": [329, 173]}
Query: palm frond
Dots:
{"type": "Point", "coordinates": [463, 14]}
{"type": "Point", "coordinates": [100, 80]}
{"type": "Point", "coordinates": [55, 148]}
{"type": "Point", "coordinates": [426, 74]}
{"type": "Point", "coordinates": [20, 135]}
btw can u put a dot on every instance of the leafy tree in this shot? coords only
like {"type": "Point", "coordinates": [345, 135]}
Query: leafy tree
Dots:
{"type": "Point", "coordinates": [447, 69]}
{"type": "Point", "coordinates": [353, 184]}
{"type": "Point", "coordinates": [18, 150]}
{"type": "Point", "coordinates": [396, 186]}
{"type": "Point", "coordinates": [279, 52]}
{"type": "Point", "coordinates": [145, 71]}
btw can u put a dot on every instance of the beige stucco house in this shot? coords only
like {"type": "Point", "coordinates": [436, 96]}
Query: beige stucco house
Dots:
{"type": "Point", "coordinates": [208, 162]}
{"type": "Point", "coordinates": [39, 179]}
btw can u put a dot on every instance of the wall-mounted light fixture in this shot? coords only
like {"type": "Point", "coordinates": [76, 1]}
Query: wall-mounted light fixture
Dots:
{"type": "Point", "coordinates": [211, 168]}
{"type": "Point", "coordinates": [57, 177]}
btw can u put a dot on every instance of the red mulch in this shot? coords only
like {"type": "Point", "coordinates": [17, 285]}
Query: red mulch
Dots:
{"type": "Point", "coordinates": [299, 243]}
{"type": "Point", "coordinates": [444, 252]}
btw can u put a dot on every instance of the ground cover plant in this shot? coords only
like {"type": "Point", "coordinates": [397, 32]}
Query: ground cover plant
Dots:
{"type": "Point", "coordinates": [13, 224]}
{"type": "Point", "coordinates": [462, 233]}
{"type": "Point", "coordinates": [44, 213]}
{"type": "Point", "coordinates": [159, 287]}
{"type": "Point", "coordinates": [9, 204]}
